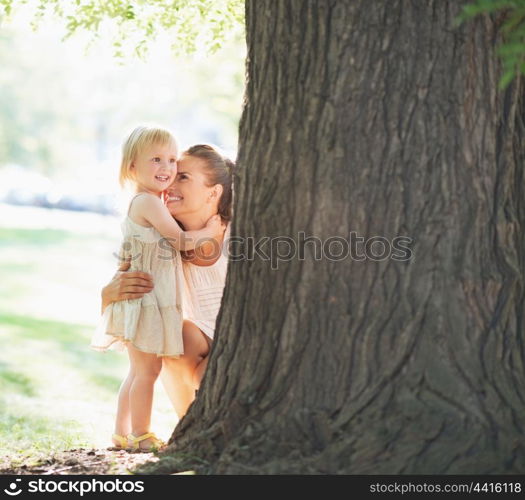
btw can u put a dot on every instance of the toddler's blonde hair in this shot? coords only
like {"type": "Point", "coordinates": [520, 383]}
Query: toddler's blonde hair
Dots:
{"type": "Point", "coordinates": [140, 138]}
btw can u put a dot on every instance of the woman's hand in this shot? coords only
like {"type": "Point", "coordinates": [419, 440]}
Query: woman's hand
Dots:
{"type": "Point", "coordinates": [126, 285]}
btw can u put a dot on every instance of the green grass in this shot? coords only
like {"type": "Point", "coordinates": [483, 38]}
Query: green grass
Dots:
{"type": "Point", "coordinates": [55, 392]}
{"type": "Point", "coordinates": [13, 381]}
{"type": "Point", "coordinates": [44, 237]}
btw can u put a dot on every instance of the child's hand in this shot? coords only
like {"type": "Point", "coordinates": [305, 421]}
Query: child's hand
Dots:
{"type": "Point", "coordinates": [216, 225]}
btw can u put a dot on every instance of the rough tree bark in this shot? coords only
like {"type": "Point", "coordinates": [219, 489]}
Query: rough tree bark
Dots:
{"type": "Point", "coordinates": [381, 118]}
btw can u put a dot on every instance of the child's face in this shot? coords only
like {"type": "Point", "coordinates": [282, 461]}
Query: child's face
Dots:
{"type": "Point", "coordinates": [155, 167]}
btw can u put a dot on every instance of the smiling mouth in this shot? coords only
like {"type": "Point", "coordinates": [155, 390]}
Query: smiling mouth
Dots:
{"type": "Point", "coordinates": [175, 198]}
{"type": "Point", "coordinates": [162, 178]}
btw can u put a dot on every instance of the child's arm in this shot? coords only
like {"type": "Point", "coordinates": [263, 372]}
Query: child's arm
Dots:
{"type": "Point", "coordinates": [151, 209]}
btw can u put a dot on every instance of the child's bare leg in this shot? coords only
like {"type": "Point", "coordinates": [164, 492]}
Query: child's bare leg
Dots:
{"type": "Point", "coordinates": [147, 368]}
{"type": "Point", "coordinates": [123, 418]}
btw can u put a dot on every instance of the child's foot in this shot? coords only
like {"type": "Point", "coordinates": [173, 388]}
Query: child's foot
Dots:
{"type": "Point", "coordinates": [120, 442]}
{"type": "Point", "coordinates": [146, 442]}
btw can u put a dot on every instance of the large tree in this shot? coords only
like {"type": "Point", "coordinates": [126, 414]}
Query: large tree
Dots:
{"type": "Point", "coordinates": [384, 119]}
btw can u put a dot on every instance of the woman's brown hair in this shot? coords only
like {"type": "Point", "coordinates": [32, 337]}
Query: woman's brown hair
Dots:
{"type": "Point", "coordinates": [219, 170]}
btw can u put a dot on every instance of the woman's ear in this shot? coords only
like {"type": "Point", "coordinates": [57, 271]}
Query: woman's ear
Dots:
{"type": "Point", "coordinates": [216, 192]}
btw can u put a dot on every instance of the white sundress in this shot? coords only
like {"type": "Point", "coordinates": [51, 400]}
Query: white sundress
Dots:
{"type": "Point", "coordinates": [152, 323]}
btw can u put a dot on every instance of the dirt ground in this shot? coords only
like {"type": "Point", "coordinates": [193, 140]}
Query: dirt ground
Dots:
{"type": "Point", "coordinates": [83, 461]}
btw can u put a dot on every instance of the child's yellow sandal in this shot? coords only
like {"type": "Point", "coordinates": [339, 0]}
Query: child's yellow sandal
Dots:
{"type": "Point", "coordinates": [157, 444]}
{"type": "Point", "coordinates": [121, 440]}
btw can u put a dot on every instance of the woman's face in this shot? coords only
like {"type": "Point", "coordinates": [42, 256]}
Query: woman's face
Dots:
{"type": "Point", "coordinates": [189, 194]}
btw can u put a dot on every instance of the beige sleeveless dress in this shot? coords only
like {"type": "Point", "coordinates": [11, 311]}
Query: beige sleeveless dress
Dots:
{"type": "Point", "coordinates": [153, 323]}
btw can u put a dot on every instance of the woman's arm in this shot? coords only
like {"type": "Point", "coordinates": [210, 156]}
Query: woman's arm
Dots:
{"type": "Point", "coordinates": [126, 285]}
{"type": "Point", "coordinates": [155, 213]}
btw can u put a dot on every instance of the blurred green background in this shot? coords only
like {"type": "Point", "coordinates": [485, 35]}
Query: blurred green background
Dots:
{"type": "Point", "coordinates": [64, 112]}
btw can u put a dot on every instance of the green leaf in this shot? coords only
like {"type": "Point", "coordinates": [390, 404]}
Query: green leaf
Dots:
{"type": "Point", "coordinates": [511, 14]}
{"type": "Point", "coordinates": [507, 77]}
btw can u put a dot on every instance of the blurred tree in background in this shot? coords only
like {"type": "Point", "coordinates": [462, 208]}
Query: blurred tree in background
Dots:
{"type": "Point", "coordinates": [65, 107]}
{"type": "Point", "coordinates": [54, 105]}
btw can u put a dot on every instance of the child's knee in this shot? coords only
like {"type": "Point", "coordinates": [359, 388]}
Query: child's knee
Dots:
{"type": "Point", "coordinates": [148, 370]}
{"type": "Point", "coordinates": [155, 370]}
{"type": "Point", "coordinates": [150, 376]}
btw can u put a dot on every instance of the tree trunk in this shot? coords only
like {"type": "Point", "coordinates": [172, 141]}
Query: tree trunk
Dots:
{"type": "Point", "coordinates": [382, 118]}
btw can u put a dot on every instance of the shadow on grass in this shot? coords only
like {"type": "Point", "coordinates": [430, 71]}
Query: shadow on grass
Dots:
{"type": "Point", "coordinates": [13, 381]}
{"type": "Point", "coordinates": [46, 330]}
{"type": "Point", "coordinates": [28, 432]}
{"type": "Point", "coordinates": [51, 382]}
{"type": "Point", "coordinates": [72, 343]}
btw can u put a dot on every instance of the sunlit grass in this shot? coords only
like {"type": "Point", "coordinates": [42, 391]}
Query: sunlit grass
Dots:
{"type": "Point", "coordinates": [55, 392]}
{"type": "Point", "coordinates": [30, 237]}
